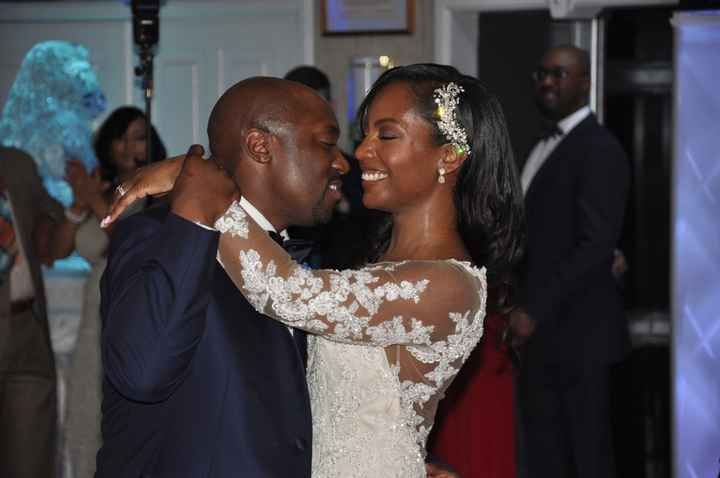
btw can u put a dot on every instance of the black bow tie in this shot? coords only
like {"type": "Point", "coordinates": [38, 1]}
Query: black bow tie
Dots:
{"type": "Point", "coordinates": [299, 249]}
{"type": "Point", "coordinates": [552, 131]}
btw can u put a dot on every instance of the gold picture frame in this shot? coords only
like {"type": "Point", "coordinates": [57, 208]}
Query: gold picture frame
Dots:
{"type": "Point", "coordinates": [367, 17]}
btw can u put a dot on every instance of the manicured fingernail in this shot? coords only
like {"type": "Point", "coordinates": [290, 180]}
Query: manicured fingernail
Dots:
{"type": "Point", "coordinates": [105, 222]}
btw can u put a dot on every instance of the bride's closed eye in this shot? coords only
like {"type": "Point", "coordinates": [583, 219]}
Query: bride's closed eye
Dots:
{"type": "Point", "coordinates": [388, 135]}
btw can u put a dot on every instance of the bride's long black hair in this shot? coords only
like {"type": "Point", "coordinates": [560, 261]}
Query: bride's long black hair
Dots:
{"type": "Point", "coordinates": [487, 195]}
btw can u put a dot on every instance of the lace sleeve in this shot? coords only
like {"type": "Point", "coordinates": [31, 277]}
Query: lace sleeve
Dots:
{"type": "Point", "coordinates": [391, 303]}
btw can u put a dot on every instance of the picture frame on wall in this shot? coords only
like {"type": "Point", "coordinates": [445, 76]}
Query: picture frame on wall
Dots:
{"type": "Point", "coordinates": [367, 17]}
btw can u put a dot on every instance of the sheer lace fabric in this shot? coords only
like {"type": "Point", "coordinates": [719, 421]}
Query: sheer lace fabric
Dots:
{"type": "Point", "coordinates": [390, 339]}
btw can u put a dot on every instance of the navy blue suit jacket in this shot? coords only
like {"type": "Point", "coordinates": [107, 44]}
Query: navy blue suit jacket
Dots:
{"type": "Point", "coordinates": [197, 383]}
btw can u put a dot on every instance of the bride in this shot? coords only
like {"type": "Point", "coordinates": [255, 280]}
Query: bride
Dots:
{"type": "Point", "coordinates": [389, 338]}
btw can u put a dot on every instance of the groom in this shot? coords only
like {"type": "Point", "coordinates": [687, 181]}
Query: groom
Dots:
{"type": "Point", "coordinates": [196, 382]}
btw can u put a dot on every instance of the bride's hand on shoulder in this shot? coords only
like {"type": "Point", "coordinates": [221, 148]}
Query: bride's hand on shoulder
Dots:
{"type": "Point", "coordinates": [152, 180]}
{"type": "Point", "coordinates": [203, 191]}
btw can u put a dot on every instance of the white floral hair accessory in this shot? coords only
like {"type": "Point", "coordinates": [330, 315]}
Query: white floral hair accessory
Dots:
{"type": "Point", "coordinates": [448, 98]}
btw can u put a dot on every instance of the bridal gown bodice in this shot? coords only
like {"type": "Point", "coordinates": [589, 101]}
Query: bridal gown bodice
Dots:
{"type": "Point", "coordinates": [387, 341]}
{"type": "Point", "coordinates": [360, 425]}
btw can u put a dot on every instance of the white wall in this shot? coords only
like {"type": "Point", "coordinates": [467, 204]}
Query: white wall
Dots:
{"type": "Point", "coordinates": [205, 47]}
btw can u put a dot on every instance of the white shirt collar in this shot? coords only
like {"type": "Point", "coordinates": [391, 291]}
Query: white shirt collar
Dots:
{"type": "Point", "coordinates": [259, 218]}
{"type": "Point", "coordinates": [569, 122]}
{"type": "Point", "coordinates": [263, 223]}
{"type": "Point", "coordinates": [544, 148]}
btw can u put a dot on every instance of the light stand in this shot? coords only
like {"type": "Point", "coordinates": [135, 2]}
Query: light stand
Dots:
{"type": "Point", "coordinates": [146, 33]}
{"type": "Point", "coordinates": [145, 72]}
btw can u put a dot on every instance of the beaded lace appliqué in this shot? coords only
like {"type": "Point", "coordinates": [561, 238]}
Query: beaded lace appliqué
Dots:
{"type": "Point", "coordinates": [234, 221]}
{"type": "Point", "coordinates": [301, 296]}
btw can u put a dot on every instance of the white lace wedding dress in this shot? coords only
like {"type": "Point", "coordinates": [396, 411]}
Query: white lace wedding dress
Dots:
{"type": "Point", "coordinates": [388, 340]}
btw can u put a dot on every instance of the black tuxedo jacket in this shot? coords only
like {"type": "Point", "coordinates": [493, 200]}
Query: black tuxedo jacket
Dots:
{"type": "Point", "coordinates": [197, 384]}
{"type": "Point", "coordinates": [575, 206]}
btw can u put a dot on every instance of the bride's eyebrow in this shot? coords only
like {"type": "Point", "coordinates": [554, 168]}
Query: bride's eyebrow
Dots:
{"type": "Point", "coordinates": [378, 123]}
{"type": "Point", "coordinates": [383, 121]}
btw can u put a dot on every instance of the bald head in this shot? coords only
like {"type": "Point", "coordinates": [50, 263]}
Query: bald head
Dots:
{"type": "Point", "coordinates": [269, 104]}
{"type": "Point", "coordinates": [278, 140]}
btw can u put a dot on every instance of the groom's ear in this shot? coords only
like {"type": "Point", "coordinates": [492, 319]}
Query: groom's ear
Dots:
{"type": "Point", "coordinates": [258, 144]}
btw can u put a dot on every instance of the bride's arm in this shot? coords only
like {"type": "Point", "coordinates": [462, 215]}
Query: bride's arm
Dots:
{"type": "Point", "coordinates": [418, 302]}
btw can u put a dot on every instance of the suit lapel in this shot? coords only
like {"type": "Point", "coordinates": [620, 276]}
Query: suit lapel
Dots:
{"type": "Point", "coordinates": [296, 341]}
{"type": "Point", "coordinates": [560, 151]}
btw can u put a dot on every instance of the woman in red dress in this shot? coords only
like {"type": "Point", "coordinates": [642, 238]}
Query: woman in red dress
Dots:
{"type": "Point", "coordinates": [475, 425]}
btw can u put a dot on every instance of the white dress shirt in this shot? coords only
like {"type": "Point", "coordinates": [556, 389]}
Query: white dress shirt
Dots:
{"type": "Point", "coordinates": [259, 218]}
{"type": "Point", "coordinates": [545, 147]}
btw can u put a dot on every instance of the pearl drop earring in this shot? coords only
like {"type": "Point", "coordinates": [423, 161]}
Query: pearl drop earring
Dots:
{"type": "Point", "coordinates": [441, 175]}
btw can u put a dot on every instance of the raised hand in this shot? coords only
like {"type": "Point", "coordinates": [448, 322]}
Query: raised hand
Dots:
{"type": "Point", "coordinates": [76, 175]}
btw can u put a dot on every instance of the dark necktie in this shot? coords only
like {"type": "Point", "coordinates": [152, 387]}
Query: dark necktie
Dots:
{"type": "Point", "coordinates": [552, 131]}
{"type": "Point", "coordinates": [298, 249]}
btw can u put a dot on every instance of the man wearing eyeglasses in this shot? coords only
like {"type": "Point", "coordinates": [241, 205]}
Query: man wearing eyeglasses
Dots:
{"type": "Point", "coordinates": [570, 315]}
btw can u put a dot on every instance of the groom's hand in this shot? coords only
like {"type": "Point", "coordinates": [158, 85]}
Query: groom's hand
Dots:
{"type": "Point", "coordinates": [203, 191]}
